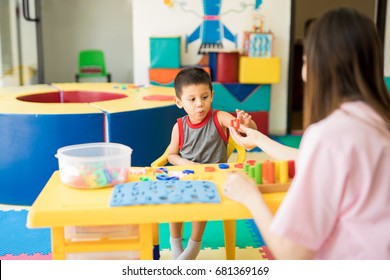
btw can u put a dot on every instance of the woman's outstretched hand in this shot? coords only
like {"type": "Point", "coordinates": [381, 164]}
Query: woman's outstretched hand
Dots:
{"type": "Point", "coordinates": [248, 141]}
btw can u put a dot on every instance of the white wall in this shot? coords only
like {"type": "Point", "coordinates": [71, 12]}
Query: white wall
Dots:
{"type": "Point", "coordinates": [73, 25]}
{"type": "Point", "coordinates": [279, 17]}
{"type": "Point", "coordinates": [1, 65]}
{"type": "Point", "coordinates": [154, 18]}
{"type": "Point", "coordinates": [387, 42]}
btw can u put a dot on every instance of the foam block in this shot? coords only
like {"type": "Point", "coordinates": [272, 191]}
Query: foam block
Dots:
{"type": "Point", "coordinates": [257, 70]}
{"type": "Point", "coordinates": [165, 52]}
{"type": "Point", "coordinates": [213, 65]}
{"type": "Point", "coordinates": [227, 67]}
{"type": "Point", "coordinates": [261, 119]}
{"type": "Point", "coordinates": [251, 98]}
{"type": "Point", "coordinates": [387, 81]}
{"type": "Point", "coordinates": [166, 76]}
{"type": "Point", "coordinates": [224, 66]}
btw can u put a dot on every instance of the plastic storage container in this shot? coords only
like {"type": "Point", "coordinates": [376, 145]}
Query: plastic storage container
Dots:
{"type": "Point", "coordinates": [94, 165]}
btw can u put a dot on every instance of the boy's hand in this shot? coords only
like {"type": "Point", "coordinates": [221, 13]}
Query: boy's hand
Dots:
{"type": "Point", "coordinates": [243, 117]}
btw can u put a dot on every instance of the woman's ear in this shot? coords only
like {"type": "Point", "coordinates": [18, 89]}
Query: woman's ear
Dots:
{"type": "Point", "coordinates": [212, 95]}
{"type": "Point", "coordinates": [178, 103]}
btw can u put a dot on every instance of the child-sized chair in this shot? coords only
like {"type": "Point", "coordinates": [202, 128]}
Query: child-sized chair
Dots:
{"type": "Point", "coordinates": [231, 147]}
{"type": "Point", "coordinates": [163, 160]}
{"type": "Point", "coordinates": [92, 65]}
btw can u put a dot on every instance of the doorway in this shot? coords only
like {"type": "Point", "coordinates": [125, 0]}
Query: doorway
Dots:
{"type": "Point", "coordinates": [302, 13]}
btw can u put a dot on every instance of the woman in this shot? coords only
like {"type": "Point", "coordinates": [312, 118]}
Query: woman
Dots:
{"type": "Point", "coordinates": [338, 205]}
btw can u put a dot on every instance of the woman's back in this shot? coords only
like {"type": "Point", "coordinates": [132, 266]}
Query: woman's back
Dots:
{"type": "Point", "coordinates": [344, 193]}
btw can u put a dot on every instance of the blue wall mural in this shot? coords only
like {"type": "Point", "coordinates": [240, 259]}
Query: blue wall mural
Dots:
{"type": "Point", "coordinates": [212, 31]}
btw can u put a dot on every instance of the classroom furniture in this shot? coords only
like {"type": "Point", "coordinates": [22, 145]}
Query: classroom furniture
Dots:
{"type": "Point", "coordinates": [166, 76]}
{"type": "Point", "coordinates": [224, 66]}
{"type": "Point", "coordinates": [259, 70]}
{"type": "Point", "coordinates": [91, 64]}
{"type": "Point", "coordinates": [231, 147]}
{"type": "Point", "coordinates": [59, 206]}
{"type": "Point", "coordinates": [163, 160]}
{"type": "Point", "coordinates": [165, 52]}
{"type": "Point", "coordinates": [252, 98]}
{"type": "Point", "coordinates": [37, 120]}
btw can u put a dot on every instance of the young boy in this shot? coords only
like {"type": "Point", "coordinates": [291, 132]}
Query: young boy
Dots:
{"type": "Point", "coordinates": [199, 137]}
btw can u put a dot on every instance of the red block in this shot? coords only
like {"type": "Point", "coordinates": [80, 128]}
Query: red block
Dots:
{"type": "Point", "coordinates": [291, 169]}
{"type": "Point", "coordinates": [261, 119]}
{"type": "Point", "coordinates": [227, 67]}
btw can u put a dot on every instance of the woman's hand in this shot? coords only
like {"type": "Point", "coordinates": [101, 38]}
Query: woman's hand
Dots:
{"type": "Point", "coordinates": [249, 141]}
{"type": "Point", "coordinates": [239, 187]}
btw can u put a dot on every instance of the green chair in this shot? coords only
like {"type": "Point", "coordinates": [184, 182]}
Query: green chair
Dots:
{"type": "Point", "coordinates": [92, 65]}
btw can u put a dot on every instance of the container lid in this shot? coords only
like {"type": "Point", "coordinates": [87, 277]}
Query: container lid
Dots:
{"type": "Point", "coordinates": [93, 151]}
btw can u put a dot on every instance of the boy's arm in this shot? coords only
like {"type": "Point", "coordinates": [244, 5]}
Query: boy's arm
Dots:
{"type": "Point", "coordinates": [225, 118]}
{"type": "Point", "coordinates": [173, 151]}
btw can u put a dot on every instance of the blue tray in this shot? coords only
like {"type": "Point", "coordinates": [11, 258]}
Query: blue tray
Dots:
{"type": "Point", "coordinates": [164, 192]}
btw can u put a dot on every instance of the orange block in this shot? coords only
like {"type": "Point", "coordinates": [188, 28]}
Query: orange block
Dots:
{"type": "Point", "coordinates": [166, 75]}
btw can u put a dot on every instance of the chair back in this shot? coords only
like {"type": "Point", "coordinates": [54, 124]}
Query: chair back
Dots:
{"type": "Point", "coordinates": [231, 147]}
{"type": "Point", "coordinates": [92, 62]}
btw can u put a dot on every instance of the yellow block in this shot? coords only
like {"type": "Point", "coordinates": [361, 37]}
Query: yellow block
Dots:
{"type": "Point", "coordinates": [259, 70]}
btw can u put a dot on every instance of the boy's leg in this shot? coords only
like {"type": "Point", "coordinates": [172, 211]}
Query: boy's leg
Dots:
{"type": "Point", "coordinates": [175, 239]}
{"type": "Point", "coordinates": [193, 247]}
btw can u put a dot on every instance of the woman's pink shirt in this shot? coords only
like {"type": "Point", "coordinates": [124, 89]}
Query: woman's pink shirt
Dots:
{"type": "Point", "coordinates": [338, 204]}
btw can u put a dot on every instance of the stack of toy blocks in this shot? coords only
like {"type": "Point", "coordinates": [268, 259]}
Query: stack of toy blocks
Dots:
{"type": "Point", "coordinates": [165, 60]}
{"type": "Point", "coordinates": [243, 82]}
{"type": "Point", "coordinates": [240, 81]}
{"type": "Point", "coordinates": [257, 65]}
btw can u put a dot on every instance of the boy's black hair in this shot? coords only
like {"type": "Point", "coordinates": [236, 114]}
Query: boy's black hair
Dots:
{"type": "Point", "coordinates": [191, 76]}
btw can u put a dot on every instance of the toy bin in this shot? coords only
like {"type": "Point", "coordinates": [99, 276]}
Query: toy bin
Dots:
{"type": "Point", "coordinates": [94, 165]}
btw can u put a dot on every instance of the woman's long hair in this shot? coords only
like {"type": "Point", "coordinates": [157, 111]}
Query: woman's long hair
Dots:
{"type": "Point", "coordinates": [344, 63]}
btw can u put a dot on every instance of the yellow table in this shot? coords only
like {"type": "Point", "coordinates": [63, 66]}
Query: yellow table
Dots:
{"type": "Point", "coordinates": [59, 206]}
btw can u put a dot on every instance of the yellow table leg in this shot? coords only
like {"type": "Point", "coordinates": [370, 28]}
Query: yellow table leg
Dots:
{"type": "Point", "coordinates": [229, 228]}
{"type": "Point", "coordinates": [156, 240]}
{"type": "Point", "coordinates": [146, 241]}
{"type": "Point", "coordinates": [58, 243]}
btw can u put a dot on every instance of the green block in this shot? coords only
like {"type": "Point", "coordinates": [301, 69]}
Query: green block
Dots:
{"type": "Point", "coordinates": [165, 52]}
{"type": "Point", "coordinates": [162, 85]}
{"type": "Point", "coordinates": [387, 81]}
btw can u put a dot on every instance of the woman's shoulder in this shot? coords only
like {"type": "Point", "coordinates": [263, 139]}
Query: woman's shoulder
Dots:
{"type": "Point", "coordinates": [354, 123]}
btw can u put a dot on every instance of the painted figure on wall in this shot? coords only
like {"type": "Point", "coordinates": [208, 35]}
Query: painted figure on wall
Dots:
{"type": "Point", "coordinates": [212, 31]}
